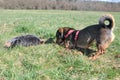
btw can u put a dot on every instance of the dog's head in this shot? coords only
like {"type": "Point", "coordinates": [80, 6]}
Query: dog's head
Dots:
{"type": "Point", "coordinates": [60, 34]}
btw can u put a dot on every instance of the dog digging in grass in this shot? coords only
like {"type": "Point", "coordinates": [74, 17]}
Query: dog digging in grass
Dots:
{"type": "Point", "coordinates": [62, 33]}
{"type": "Point", "coordinates": [101, 33]}
{"type": "Point", "coordinates": [26, 40]}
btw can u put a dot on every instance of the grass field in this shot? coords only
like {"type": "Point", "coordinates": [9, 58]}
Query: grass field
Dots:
{"type": "Point", "coordinates": [50, 61]}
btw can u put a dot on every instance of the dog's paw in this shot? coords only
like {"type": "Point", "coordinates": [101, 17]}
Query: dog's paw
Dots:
{"type": "Point", "coordinates": [93, 57]}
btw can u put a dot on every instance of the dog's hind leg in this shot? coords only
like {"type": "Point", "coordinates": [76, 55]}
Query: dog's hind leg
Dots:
{"type": "Point", "coordinates": [100, 50]}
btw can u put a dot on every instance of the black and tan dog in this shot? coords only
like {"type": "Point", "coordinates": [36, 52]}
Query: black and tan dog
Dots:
{"type": "Point", "coordinates": [26, 40]}
{"type": "Point", "coordinates": [62, 33]}
{"type": "Point", "coordinates": [101, 33]}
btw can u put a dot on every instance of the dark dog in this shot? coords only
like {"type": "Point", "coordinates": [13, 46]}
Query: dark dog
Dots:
{"type": "Point", "coordinates": [101, 33]}
{"type": "Point", "coordinates": [62, 34]}
{"type": "Point", "coordinates": [26, 40]}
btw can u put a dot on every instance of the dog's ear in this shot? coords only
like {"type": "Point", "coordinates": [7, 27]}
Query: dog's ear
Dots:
{"type": "Point", "coordinates": [61, 32]}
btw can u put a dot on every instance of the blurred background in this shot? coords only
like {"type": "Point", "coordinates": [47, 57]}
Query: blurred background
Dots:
{"type": "Point", "coordinates": [84, 5]}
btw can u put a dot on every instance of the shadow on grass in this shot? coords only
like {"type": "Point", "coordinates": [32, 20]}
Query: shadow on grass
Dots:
{"type": "Point", "coordinates": [49, 41]}
{"type": "Point", "coordinates": [87, 52]}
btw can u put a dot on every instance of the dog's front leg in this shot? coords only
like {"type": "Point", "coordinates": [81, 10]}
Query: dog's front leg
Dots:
{"type": "Point", "coordinates": [67, 44]}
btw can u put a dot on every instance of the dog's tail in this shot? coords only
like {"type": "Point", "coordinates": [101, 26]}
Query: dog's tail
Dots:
{"type": "Point", "coordinates": [108, 18]}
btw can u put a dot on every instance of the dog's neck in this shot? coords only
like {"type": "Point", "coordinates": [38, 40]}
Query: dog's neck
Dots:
{"type": "Point", "coordinates": [68, 33]}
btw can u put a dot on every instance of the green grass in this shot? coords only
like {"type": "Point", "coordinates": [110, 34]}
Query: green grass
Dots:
{"type": "Point", "coordinates": [50, 61]}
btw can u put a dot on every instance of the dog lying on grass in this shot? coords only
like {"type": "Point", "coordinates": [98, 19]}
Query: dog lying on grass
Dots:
{"type": "Point", "coordinates": [26, 40]}
{"type": "Point", "coordinates": [101, 33]}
